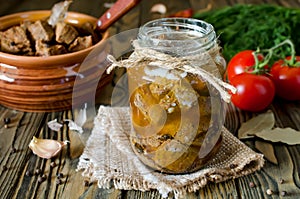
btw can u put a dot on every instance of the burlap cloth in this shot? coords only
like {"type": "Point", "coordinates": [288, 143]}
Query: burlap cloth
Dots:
{"type": "Point", "coordinates": [109, 160]}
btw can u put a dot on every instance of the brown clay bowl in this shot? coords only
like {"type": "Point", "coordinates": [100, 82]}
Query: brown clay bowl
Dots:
{"type": "Point", "coordinates": [45, 84]}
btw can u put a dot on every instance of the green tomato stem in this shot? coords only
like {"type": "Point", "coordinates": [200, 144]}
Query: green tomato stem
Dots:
{"type": "Point", "coordinates": [260, 65]}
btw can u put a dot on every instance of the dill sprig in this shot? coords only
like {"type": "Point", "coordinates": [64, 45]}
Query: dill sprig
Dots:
{"type": "Point", "coordinates": [242, 27]}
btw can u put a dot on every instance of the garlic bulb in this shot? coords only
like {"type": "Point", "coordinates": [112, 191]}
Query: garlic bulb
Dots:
{"type": "Point", "coordinates": [46, 148]}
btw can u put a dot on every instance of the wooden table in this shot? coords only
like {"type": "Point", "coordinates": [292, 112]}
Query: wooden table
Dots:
{"type": "Point", "coordinates": [13, 165]}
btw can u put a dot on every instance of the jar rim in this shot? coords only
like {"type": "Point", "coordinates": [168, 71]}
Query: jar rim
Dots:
{"type": "Point", "coordinates": [160, 34]}
{"type": "Point", "coordinates": [191, 22]}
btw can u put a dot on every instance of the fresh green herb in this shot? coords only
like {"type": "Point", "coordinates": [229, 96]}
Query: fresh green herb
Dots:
{"type": "Point", "coordinates": [242, 27]}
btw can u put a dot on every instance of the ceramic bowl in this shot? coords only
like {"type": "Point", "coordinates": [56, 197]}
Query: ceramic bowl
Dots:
{"type": "Point", "coordinates": [46, 84]}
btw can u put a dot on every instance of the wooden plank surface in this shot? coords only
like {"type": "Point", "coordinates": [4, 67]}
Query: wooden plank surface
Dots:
{"type": "Point", "coordinates": [15, 183]}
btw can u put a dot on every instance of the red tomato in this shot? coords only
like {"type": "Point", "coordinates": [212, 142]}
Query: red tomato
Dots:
{"type": "Point", "coordinates": [188, 13]}
{"type": "Point", "coordinates": [286, 80]}
{"type": "Point", "coordinates": [241, 62]}
{"type": "Point", "coordinates": [254, 92]}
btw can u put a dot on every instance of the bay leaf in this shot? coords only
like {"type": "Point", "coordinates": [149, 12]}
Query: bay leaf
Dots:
{"type": "Point", "coordinates": [266, 149]}
{"type": "Point", "coordinates": [285, 135]}
{"type": "Point", "coordinates": [263, 121]}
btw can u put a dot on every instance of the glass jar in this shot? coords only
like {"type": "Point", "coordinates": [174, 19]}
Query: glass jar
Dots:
{"type": "Point", "coordinates": [176, 114]}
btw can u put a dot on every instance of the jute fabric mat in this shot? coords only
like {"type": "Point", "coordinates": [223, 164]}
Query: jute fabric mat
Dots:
{"type": "Point", "coordinates": [109, 160]}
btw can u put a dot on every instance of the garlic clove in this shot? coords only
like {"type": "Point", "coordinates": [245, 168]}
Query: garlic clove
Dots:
{"type": "Point", "coordinates": [159, 8]}
{"type": "Point", "coordinates": [46, 148]}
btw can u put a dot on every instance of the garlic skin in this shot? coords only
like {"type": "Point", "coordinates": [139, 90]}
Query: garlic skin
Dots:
{"type": "Point", "coordinates": [79, 121]}
{"type": "Point", "coordinates": [46, 148]}
{"type": "Point", "coordinates": [54, 125]}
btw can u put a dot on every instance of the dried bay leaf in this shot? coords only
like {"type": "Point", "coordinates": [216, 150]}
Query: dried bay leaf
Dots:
{"type": "Point", "coordinates": [266, 149]}
{"type": "Point", "coordinates": [262, 126]}
{"type": "Point", "coordinates": [264, 121]}
{"type": "Point", "coordinates": [285, 135]}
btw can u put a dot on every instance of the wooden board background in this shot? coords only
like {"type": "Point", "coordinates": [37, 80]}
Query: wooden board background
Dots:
{"type": "Point", "coordinates": [13, 166]}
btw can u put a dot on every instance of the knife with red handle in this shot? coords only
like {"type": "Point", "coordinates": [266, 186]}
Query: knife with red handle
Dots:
{"type": "Point", "coordinates": [119, 9]}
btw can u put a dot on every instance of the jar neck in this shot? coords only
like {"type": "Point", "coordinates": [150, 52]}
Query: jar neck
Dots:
{"type": "Point", "coordinates": [177, 36]}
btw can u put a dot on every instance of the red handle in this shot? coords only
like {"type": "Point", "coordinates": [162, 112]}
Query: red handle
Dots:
{"type": "Point", "coordinates": [120, 8]}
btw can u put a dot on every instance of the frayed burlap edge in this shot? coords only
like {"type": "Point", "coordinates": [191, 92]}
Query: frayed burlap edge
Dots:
{"type": "Point", "coordinates": [109, 160]}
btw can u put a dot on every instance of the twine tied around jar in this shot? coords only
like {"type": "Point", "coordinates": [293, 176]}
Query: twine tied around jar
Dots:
{"type": "Point", "coordinates": [191, 64]}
